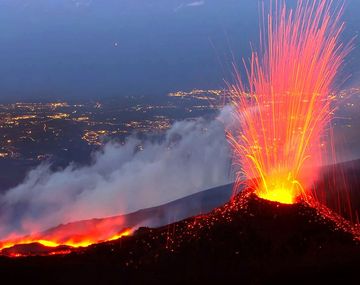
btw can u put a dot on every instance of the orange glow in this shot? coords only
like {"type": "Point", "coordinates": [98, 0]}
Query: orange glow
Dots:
{"type": "Point", "coordinates": [77, 234]}
{"type": "Point", "coordinates": [282, 114]}
{"type": "Point", "coordinates": [120, 235]}
{"type": "Point", "coordinates": [80, 242]}
{"type": "Point", "coordinates": [280, 189]}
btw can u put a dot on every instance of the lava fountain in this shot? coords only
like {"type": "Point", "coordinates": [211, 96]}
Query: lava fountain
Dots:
{"type": "Point", "coordinates": [283, 111]}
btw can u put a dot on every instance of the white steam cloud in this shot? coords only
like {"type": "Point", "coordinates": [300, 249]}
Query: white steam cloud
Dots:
{"type": "Point", "coordinates": [193, 156]}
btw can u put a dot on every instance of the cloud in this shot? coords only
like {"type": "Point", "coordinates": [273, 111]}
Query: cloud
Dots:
{"type": "Point", "coordinates": [195, 4]}
{"type": "Point", "coordinates": [194, 155]}
{"type": "Point", "coordinates": [82, 3]}
{"type": "Point", "coordinates": [191, 4]}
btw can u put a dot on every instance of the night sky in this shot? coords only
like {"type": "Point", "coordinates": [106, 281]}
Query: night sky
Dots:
{"type": "Point", "coordinates": [63, 49]}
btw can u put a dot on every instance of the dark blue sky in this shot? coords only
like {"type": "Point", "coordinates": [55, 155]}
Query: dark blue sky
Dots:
{"type": "Point", "coordinates": [100, 48]}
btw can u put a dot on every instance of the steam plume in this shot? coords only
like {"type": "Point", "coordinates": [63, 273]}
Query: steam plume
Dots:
{"type": "Point", "coordinates": [193, 156]}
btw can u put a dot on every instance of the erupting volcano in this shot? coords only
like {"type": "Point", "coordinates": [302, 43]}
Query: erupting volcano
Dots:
{"type": "Point", "coordinates": [283, 112]}
{"type": "Point", "coordinates": [279, 221]}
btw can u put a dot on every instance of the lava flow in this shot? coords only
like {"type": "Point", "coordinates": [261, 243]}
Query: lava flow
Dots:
{"type": "Point", "coordinates": [282, 114]}
{"type": "Point", "coordinates": [81, 234]}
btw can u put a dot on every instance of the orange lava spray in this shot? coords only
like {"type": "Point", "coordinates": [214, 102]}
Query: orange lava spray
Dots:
{"type": "Point", "coordinates": [283, 111]}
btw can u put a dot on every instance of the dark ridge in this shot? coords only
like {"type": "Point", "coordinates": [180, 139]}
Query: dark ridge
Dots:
{"type": "Point", "coordinates": [195, 204]}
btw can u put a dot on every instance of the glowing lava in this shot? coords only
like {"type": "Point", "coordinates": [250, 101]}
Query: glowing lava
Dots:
{"type": "Point", "coordinates": [83, 241]}
{"type": "Point", "coordinates": [283, 112]}
{"type": "Point", "coordinates": [75, 234]}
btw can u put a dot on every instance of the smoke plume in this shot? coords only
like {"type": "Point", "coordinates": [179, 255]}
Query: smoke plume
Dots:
{"type": "Point", "coordinates": [193, 156]}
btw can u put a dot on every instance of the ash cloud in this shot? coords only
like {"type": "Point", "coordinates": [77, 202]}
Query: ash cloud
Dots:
{"type": "Point", "coordinates": [193, 156]}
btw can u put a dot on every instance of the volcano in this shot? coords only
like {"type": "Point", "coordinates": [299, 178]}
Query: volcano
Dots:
{"type": "Point", "coordinates": [248, 240]}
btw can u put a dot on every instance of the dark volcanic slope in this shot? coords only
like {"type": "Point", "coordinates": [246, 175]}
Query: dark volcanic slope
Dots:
{"type": "Point", "coordinates": [249, 241]}
{"type": "Point", "coordinates": [199, 203]}
{"type": "Point", "coordinates": [195, 204]}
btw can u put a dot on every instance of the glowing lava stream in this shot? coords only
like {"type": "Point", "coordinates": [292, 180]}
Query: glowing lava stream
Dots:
{"type": "Point", "coordinates": [282, 113]}
{"type": "Point", "coordinates": [83, 242]}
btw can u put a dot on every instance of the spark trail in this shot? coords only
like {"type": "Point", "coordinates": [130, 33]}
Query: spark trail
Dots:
{"type": "Point", "coordinates": [284, 109]}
